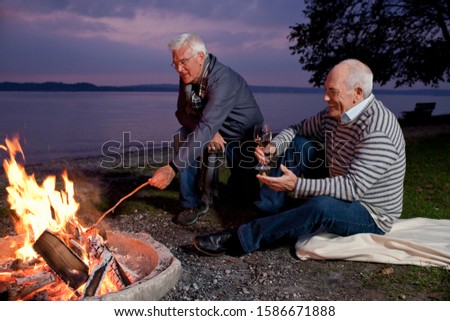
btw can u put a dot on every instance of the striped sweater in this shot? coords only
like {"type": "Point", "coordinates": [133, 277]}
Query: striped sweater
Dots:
{"type": "Point", "coordinates": [365, 158]}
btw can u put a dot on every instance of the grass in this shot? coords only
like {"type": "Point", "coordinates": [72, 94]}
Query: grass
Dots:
{"type": "Point", "coordinates": [430, 283]}
{"type": "Point", "coordinates": [427, 179]}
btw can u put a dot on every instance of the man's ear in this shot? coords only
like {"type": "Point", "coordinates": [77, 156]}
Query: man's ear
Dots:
{"type": "Point", "coordinates": [359, 94]}
{"type": "Point", "coordinates": [201, 55]}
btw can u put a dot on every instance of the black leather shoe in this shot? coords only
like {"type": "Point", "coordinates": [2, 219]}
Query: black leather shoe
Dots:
{"type": "Point", "coordinates": [220, 243]}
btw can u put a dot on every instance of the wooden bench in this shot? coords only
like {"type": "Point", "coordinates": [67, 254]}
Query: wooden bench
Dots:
{"type": "Point", "coordinates": [422, 112]}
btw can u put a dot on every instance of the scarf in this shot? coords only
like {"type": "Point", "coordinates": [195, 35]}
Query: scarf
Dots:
{"type": "Point", "coordinates": [196, 99]}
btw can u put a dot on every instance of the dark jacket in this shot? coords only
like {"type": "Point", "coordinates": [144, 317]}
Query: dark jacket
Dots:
{"type": "Point", "coordinates": [229, 108]}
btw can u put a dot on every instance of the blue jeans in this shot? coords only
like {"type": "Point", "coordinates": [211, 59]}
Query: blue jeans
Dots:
{"type": "Point", "coordinates": [303, 157]}
{"type": "Point", "coordinates": [314, 215]}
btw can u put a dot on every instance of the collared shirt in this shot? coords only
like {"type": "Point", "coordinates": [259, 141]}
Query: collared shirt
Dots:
{"type": "Point", "coordinates": [353, 112]}
{"type": "Point", "coordinates": [196, 92]}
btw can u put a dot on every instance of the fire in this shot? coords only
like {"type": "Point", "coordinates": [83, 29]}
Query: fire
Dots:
{"type": "Point", "coordinates": [41, 207]}
{"type": "Point", "coordinates": [37, 208]}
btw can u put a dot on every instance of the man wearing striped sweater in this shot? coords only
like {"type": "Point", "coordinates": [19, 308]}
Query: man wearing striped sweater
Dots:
{"type": "Point", "coordinates": [344, 166]}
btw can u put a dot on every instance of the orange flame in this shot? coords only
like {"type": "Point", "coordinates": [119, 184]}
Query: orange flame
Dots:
{"type": "Point", "coordinates": [41, 207]}
{"type": "Point", "coordinates": [37, 208]}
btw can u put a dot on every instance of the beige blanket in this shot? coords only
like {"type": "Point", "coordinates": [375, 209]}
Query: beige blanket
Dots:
{"type": "Point", "coordinates": [417, 241]}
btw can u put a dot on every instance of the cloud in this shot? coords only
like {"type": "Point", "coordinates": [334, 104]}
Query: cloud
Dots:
{"type": "Point", "coordinates": [86, 37]}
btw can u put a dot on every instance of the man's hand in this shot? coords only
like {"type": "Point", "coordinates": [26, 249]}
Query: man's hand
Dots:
{"type": "Point", "coordinates": [217, 143]}
{"type": "Point", "coordinates": [162, 177]}
{"type": "Point", "coordinates": [284, 183]}
{"type": "Point", "coordinates": [264, 154]}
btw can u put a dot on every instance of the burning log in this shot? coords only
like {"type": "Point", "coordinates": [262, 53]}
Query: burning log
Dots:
{"type": "Point", "coordinates": [72, 270]}
{"type": "Point", "coordinates": [32, 278]}
{"type": "Point", "coordinates": [43, 280]}
{"type": "Point", "coordinates": [17, 282]}
{"type": "Point", "coordinates": [97, 276]}
{"type": "Point", "coordinates": [61, 259]}
{"type": "Point", "coordinates": [23, 287]}
{"type": "Point", "coordinates": [108, 266]}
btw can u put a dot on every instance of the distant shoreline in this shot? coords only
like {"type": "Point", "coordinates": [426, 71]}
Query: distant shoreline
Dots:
{"type": "Point", "coordinates": [154, 156]}
{"type": "Point", "coordinates": [88, 87]}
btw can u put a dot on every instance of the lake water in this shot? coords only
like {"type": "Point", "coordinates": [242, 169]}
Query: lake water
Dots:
{"type": "Point", "coordinates": [54, 125]}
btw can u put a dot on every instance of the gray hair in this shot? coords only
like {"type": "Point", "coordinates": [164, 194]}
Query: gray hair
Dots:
{"type": "Point", "coordinates": [192, 40]}
{"type": "Point", "coordinates": [359, 75]}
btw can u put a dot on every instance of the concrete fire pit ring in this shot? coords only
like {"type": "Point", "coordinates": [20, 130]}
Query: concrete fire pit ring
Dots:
{"type": "Point", "coordinates": [164, 270]}
{"type": "Point", "coordinates": [154, 266]}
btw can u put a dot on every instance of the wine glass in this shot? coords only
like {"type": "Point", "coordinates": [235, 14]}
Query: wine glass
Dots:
{"type": "Point", "coordinates": [262, 135]}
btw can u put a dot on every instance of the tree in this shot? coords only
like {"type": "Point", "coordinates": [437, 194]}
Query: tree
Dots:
{"type": "Point", "coordinates": [406, 41]}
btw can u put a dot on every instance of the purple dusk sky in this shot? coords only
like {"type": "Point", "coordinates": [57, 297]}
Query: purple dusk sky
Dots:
{"type": "Point", "coordinates": [111, 42]}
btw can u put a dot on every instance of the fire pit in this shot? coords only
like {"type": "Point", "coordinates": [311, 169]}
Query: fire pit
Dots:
{"type": "Point", "coordinates": [159, 268]}
{"type": "Point", "coordinates": [56, 258]}
{"type": "Point", "coordinates": [154, 265]}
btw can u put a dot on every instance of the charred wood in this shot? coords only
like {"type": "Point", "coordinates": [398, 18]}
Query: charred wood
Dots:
{"type": "Point", "coordinates": [28, 290]}
{"type": "Point", "coordinates": [61, 259]}
{"type": "Point", "coordinates": [107, 266]}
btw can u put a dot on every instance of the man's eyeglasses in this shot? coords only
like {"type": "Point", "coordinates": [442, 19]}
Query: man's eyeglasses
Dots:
{"type": "Point", "coordinates": [332, 92]}
{"type": "Point", "coordinates": [182, 62]}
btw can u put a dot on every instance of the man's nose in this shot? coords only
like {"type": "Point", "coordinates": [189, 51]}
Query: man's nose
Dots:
{"type": "Point", "coordinates": [179, 68]}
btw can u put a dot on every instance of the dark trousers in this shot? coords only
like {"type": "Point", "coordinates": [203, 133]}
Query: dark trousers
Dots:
{"type": "Point", "coordinates": [199, 181]}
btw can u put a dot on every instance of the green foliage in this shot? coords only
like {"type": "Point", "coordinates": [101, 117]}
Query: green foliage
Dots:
{"type": "Point", "coordinates": [403, 40]}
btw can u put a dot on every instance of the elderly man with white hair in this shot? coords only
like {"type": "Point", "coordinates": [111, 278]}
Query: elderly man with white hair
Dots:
{"type": "Point", "coordinates": [344, 166]}
{"type": "Point", "coordinates": [217, 110]}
